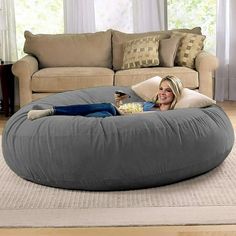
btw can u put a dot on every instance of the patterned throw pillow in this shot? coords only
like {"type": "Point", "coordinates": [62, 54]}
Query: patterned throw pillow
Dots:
{"type": "Point", "coordinates": [142, 52]}
{"type": "Point", "coordinates": [190, 46]}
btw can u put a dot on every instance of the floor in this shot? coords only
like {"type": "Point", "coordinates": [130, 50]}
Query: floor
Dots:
{"type": "Point", "coordinates": [204, 230]}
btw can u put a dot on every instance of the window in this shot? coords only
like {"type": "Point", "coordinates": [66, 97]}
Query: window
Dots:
{"type": "Point", "coordinates": [38, 17]}
{"type": "Point", "coordinates": [47, 17]}
{"type": "Point", "coordinates": [181, 14]}
{"type": "Point", "coordinates": [192, 13]}
{"type": "Point", "coordinates": [111, 14]}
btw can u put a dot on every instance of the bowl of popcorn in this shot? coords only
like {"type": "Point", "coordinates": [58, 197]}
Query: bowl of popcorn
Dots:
{"type": "Point", "coordinates": [133, 107]}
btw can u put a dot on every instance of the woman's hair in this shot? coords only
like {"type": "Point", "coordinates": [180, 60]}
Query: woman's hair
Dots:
{"type": "Point", "coordinates": [176, 87]}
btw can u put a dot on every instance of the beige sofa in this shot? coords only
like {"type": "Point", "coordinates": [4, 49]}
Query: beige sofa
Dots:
{"type": "Point", "coordinates": [63, 62]}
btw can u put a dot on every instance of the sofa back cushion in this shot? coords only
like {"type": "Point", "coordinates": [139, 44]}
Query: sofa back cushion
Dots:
{"type": "Point", "coordinates": [62, 50]}
{"type": "Point", "coordinates": [119, 39]}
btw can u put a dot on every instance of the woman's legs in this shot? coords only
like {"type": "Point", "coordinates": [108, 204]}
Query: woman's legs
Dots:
{"type": "Point", "coordinates": [89, 110]}
{"type": "Point", "coordinates": [35, 114]}
{"type": "Point", "coordinates": [101, 114]}
{"type": "Point", "coordinates": [84, 109]}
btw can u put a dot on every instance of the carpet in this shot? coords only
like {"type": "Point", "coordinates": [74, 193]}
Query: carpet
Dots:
{"type": "Point", "coordinates": [206, 199]}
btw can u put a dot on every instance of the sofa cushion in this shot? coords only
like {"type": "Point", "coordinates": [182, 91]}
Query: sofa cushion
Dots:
{"type": "Point", "coordinates": [55, 50]}
{"type": "Point", "coordinates": [190, 46]}
{"type": "Point", "coordinates": [119, 38]}
{"type": "Point", "coordinates": [188, 76]}
{"type": "Point", "coordinates": [167, 50]}
{"type": "Point", "coordinates": [190, 98]}
{"type": "Point", "coordinates": [70, 78]}
{"type": "Point", "coordinates": [142, 52]}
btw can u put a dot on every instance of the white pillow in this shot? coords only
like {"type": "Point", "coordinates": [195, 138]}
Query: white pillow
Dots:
{"type": "Point", "coordinates": [147, 89]}
{"type": "Point", "coordinates": [190, 98]}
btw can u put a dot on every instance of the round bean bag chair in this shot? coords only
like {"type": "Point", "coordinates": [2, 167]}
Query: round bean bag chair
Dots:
{"type": "Point", "coordinates": [118, 152]}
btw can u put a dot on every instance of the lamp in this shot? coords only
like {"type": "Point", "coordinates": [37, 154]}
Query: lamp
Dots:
{"type": "Point", "coordinates": [2, 27]}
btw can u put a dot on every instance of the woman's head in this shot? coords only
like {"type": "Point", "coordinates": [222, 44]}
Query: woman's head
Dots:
{"type": "Point", "coordinates": [170, 90]}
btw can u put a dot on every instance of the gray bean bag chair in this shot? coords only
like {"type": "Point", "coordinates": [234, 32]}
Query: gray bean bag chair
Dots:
{"type": "Point", "coordinates": [115, 153]}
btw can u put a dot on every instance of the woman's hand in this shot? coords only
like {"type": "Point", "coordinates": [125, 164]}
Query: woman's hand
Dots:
{"type": "Point", "coordinates": [119, 98]}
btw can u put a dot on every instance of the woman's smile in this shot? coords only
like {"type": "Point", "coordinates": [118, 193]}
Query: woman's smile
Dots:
{"type": "Point", "coordinates": [165, 93]}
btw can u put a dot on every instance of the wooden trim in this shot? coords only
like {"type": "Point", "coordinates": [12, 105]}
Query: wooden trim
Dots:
{"type": "Point", "coordinates": [208, 230]}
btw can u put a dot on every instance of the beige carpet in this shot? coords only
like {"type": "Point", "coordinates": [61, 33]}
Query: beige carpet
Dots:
{"type": "Point", "coordinates": [207, 199]}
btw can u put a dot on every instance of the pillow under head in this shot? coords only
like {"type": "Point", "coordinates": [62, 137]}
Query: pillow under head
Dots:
{"type": "Point", "coordinates": [191, 98]}
{"type": "Point", "coordinates": [148, 90]}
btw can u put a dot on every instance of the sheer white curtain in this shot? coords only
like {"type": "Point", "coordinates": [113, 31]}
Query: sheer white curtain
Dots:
{"type": "Point", "coordinates": [79, 16]}
{"type": "Point", "coordinates": [8, 31]}
{"type": "Point", "coordinates": [226, 50]}
{"type": "Point", "coordinates": [147, 15]}
{"type": "Point", "coordinates": [150, 15]}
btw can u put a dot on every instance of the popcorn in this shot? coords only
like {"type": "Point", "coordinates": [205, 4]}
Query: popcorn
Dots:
{"type": "Point", "coordinates": [133, 107]}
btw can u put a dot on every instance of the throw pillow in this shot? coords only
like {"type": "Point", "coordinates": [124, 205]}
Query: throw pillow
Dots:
{"type": "Point", "coordinates": [190, 46]}
{"type": "Point", "coordinates": [167, 50]}
{"type": "Point", "coordinates": [141, 52]}
{"type": "Point", "coordinates": [191, 98]}
{"type": "Point", "coordinates": [119, 38]}
{"type": "Point", "coordinates": [147, 89]}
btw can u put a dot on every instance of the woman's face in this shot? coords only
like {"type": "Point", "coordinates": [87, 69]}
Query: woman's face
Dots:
{"type": "Point", "coordinates": [165, 94]}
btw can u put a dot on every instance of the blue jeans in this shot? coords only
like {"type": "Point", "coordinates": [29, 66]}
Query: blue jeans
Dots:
{"type": "Point", "coordinates": [89, 110]}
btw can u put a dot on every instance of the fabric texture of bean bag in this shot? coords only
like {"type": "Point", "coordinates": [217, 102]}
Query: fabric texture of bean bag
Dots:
{"type": "Point", "coordinates": [115, 153]}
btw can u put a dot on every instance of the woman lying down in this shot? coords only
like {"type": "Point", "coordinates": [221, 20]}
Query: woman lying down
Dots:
{"type": "Point", "coordinates": [168, 94]}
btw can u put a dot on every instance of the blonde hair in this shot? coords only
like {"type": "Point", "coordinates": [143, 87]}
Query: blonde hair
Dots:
{"type": "Point", "coordinates": [176, 87]}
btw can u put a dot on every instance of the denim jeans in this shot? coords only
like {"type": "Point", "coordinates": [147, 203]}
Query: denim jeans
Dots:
{"type": "Point", "coordinates": [89, 110]}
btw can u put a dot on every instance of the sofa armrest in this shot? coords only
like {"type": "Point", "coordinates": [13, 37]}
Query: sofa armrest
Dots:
{"type": "Point", "coordinates": [206, 64]}
{"type": "Point", "coordinates": [23, 69]}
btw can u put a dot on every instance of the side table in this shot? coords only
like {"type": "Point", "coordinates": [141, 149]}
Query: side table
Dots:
{"type": "Point", "coordinates": [7, 84]}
